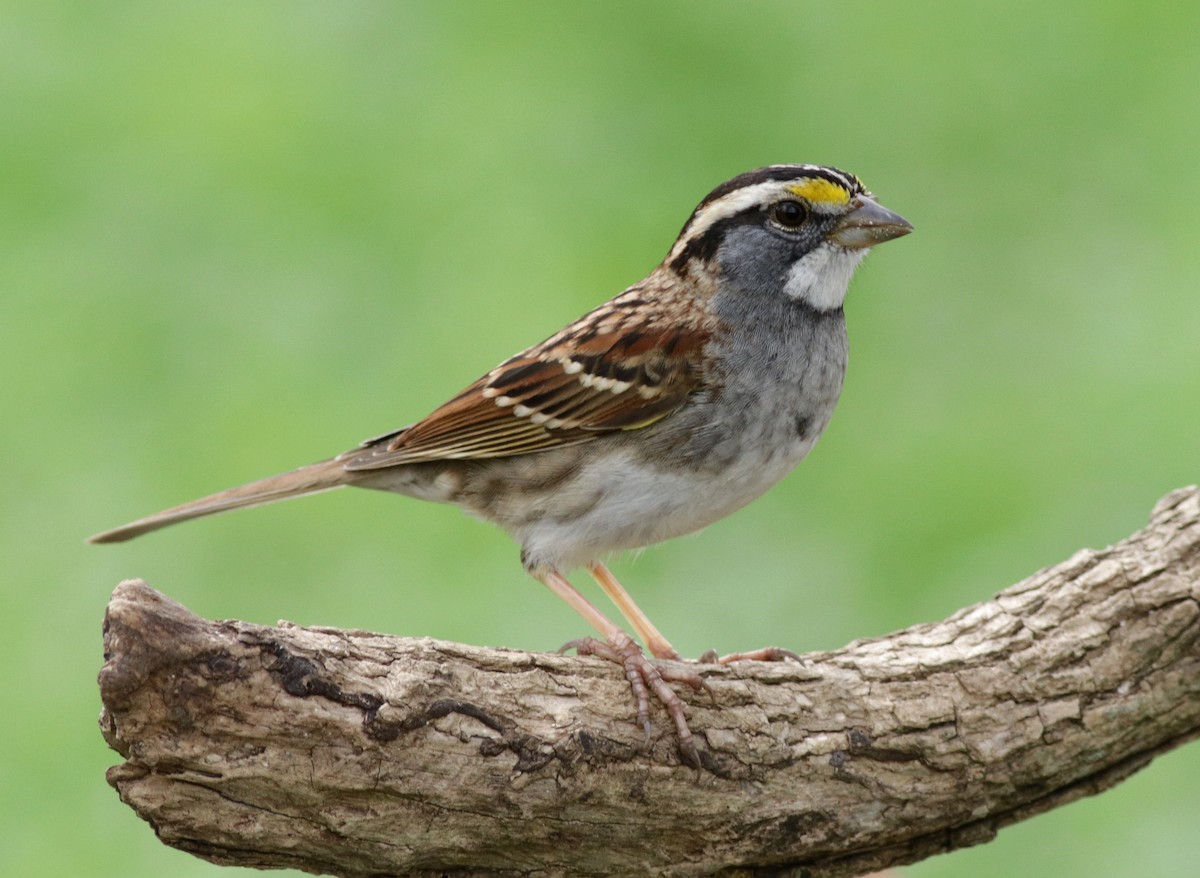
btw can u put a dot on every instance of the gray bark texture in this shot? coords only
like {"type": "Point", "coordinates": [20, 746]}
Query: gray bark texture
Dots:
{"type": "Point", "coordinates": [358, 754]}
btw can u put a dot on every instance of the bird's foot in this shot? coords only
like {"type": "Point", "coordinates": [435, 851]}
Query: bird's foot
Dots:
{"type": "Point", "coordinates": [644, 677]}
{"type": "Point", "coordinates": [766, 654]}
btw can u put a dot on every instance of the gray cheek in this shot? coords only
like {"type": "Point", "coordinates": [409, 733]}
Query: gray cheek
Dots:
{"type": "Point", "coordinates": [753, 259]}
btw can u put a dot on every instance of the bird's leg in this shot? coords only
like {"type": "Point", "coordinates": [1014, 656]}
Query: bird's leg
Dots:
{"type": "Point", "coordinates": [620, 648]}
{"type": "Point", "coordinates": [651, 636]}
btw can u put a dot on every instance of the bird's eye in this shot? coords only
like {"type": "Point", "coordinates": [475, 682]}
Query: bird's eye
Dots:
{"type": "Point", "coordinates": [789, 214]}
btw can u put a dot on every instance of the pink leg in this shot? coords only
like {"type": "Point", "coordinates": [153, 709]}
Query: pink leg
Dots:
{"type": "Point", "coordinates": [651, 636]}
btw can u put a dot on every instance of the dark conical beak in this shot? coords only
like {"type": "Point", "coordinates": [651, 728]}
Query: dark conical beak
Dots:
{"type": "Point", "coordinates": [868, 224]}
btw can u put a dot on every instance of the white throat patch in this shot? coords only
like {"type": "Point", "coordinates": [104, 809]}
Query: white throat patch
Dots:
{"type": "Point", "coordinates": [822, 277]}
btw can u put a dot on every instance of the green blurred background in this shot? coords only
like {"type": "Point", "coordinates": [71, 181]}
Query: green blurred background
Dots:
{"type": "Point", "coordinates": [242, 237]}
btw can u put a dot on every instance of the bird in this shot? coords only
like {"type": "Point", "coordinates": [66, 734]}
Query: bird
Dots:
{"type": "Point", "coordinates": [655, 414]}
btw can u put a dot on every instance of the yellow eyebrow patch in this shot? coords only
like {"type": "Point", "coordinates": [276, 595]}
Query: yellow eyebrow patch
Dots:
{"type": "Point", "coordinates": [819, 191]}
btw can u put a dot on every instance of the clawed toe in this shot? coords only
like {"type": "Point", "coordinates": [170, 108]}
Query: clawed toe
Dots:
{"type": "Point", "coordinates": [766, 654]}
{"type": "Point", "coordinates": [591, 646]}
{"type": "Point", "coordinates": [689, 678]}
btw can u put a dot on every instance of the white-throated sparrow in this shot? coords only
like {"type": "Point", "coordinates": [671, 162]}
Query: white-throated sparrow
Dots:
{"type": "Point", "coordinates": [652, 416]}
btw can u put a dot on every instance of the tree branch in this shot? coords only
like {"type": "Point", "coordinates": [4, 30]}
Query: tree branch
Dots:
{"type": "Point", "coordinates": [357, 754]}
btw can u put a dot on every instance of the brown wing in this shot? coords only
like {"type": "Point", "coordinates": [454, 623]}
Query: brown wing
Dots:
{"type": "Point", "coordinates": [615, 369]}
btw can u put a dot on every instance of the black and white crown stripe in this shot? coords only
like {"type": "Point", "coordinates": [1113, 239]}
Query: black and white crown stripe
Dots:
{"type": "Point", "coordinates": [754, 189]}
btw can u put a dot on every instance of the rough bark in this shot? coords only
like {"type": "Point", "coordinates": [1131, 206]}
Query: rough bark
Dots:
{"type": "Point", "coordinates": [358, 754]}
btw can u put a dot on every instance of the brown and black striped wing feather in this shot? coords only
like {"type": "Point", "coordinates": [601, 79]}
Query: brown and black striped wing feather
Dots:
{"type": "Point", "coordinates": [613, 370]}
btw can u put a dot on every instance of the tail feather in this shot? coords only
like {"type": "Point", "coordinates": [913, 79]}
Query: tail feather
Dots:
{"type": "Point", "coordinates": [307, 480]}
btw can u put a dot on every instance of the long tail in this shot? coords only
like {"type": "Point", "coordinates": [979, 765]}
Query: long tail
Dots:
{"type": "Point", "coordinates": [307, 480]}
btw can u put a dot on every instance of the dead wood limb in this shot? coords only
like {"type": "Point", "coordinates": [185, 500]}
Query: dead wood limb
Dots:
{"type": "Point", "coordinates": [358, 754]}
